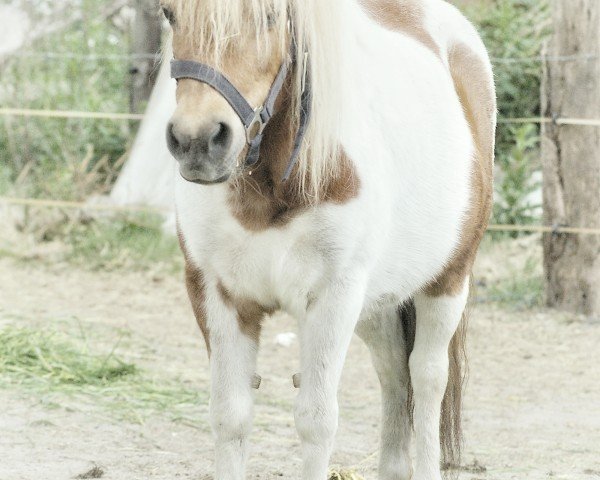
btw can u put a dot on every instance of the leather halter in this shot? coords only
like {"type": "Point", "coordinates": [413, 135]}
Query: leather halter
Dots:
{"type": "Point", "coordinates": [256, 119]}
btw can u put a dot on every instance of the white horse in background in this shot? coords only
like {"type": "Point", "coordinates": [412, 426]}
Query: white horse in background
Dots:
{"type": "Point", "coordinates": [384, 121]}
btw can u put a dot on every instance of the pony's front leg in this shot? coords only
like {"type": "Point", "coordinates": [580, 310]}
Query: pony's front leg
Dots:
{"type": "Point", "coordinates": [234, 345]}
{"type": "Point", "coordinates": [325, 337]}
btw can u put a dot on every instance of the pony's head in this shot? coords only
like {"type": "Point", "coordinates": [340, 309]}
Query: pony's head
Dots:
{"type": "Point", "coordinates": [247, 41]}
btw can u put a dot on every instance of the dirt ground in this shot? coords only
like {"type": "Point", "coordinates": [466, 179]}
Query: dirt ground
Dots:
{"type": "Point", "coordinates": [532, 402]}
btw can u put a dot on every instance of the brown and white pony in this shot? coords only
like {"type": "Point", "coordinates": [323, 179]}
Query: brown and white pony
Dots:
{"type": "Point", "coordinates": [376, 229]}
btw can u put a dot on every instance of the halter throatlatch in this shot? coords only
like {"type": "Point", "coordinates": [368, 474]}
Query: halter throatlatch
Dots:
{"type": "Point", "coordinates": [254, 120]}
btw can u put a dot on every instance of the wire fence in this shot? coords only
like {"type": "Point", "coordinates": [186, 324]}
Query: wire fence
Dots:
{"type": "Point", "coordinates": [71, 114]}
{"type": "Point", "coordinates": [66, 114]}
{"type": "Point", "coordinates": [25, 112]}
{"type": "Point", "coordinates": [158, 57]}
{"type": "Point", "coordinates": [546, 58]}
{"type": "Point", "coordinates": [108, 207]}
{"type": "Point", "coordinates": [81, 206]}
{"type": "Point", "coordinates": [582, 122]}
{"type": "Point", "coordinates": [86, 56]}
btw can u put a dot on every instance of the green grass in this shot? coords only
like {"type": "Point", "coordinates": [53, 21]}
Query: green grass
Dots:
{"type": "Point", "coordinates": [59, 366]}
{"type": "Point", "coordinates": [136, 242]}
{"type": "Point", "coordinates": [524, 289]}
{"type": "Point", "coordinates": [50, 151]}
{"type": "Point", "coordinates": [51, 359]}
{"type": "Point", "coordinates": [133, 242]}
{"type": "Point", "coordinates": [509, 272]}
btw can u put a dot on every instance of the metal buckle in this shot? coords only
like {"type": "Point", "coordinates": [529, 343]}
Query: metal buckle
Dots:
{"type": "Point", "coordinates": [256, 127]}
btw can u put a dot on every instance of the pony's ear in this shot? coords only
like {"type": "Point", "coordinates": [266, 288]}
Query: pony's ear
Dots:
{"type": "Point", "coordinates": [169, 15]}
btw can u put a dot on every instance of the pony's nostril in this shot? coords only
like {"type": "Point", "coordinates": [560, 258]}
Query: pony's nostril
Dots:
{"type": "Point", "coordinates": [209, 143]}
{"type": "Point", "coordinates": [220, 139]}
{"type": "Point", "coordinates": [176, 141]}
{"type": "Point", "coordinates": [171, 138]}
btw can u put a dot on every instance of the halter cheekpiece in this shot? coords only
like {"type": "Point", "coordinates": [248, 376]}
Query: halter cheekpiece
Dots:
{"type": "Point", "coordinates": [256, 119]}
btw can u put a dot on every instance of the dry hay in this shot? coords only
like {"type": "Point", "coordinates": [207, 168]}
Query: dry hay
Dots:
{"type": "Point", "coordinates": [343, 474]}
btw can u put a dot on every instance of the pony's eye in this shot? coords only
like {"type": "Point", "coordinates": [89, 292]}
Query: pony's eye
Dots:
{"type": "Point", "coordinates": [169, 15]}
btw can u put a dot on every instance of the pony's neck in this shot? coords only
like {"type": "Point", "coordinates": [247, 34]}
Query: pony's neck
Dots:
{"type": "Point", "coordinates": [259, 199]}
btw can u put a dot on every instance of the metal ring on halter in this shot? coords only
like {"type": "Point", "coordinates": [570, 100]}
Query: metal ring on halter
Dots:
{"type": "Point", "coordinates": [256, 381]}
{"type": "Point", "coordinates": [257, 125]}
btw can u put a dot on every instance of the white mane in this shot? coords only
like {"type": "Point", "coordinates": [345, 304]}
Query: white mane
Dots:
{"type": "Point", "coordinates": [215, 25]}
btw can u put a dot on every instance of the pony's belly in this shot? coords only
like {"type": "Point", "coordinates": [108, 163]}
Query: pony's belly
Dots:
{"type": "Point", "coordinates": [408, 265]}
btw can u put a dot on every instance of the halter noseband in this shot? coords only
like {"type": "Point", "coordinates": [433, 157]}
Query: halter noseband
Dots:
{"type": "Point", "coordinates": [254, 120]}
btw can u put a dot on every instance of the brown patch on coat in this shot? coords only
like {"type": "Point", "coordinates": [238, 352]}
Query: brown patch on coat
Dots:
{"type": "Point", "coordinates": [476, 91]}
{"type": "Point", "coordinates": [196, 288]}
{"type": "Point", "coordinates": [250, 314]}
{"type": "Point", "coordinates": [406, 16]}
{"type": "Point", "coordinates": [261, 200]}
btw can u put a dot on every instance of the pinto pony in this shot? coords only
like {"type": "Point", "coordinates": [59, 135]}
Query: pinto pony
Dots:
{"type": "Point", "coordinates": [348, 145]}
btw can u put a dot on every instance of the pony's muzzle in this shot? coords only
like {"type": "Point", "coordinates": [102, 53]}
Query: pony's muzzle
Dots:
{"type": "Point", "coordinates": [204, 155]}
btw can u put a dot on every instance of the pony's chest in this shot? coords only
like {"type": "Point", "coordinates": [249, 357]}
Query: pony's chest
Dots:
{"type": "Point", "coordinates": [275, 267]}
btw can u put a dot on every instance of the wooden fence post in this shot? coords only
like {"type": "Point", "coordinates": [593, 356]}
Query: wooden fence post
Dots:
{"type": "Point", "coordinates": [571, 157]}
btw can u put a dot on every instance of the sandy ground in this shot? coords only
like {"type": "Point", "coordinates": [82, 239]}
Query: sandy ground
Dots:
{"type": "Point", "coordinates": [532, 404]}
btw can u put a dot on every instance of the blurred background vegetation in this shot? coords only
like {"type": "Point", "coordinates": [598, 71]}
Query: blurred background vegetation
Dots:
{"type": "Point", "coordinates": [72, 159]}
{"type": "Point", "coordinates": [58, 158]}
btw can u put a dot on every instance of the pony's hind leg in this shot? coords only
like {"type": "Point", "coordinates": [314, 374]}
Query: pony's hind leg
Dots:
{"type": "Point", "coordinates": [438, 318]}
{"type": "Point", "coordinates": [383, 333]}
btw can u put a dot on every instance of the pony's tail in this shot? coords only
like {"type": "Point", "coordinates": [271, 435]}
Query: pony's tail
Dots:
{"type": "Point", "coordinates": [451, 413]}
{"type": "Point", "coordinates": [451, 416]}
